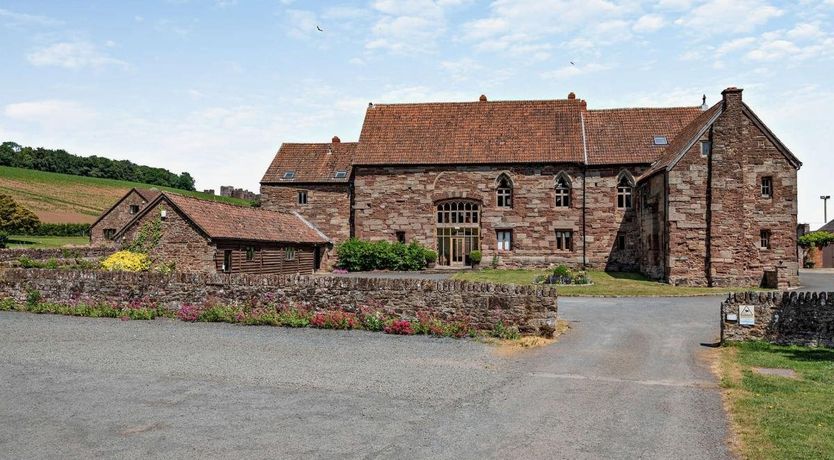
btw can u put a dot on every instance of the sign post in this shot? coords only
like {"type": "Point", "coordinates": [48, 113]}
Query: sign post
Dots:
{"type": "Point", "coordinates": [746, 315]}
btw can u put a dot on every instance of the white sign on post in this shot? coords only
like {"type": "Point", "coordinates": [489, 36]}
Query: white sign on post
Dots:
{"type": "Point", "coordinates": [746, 315]}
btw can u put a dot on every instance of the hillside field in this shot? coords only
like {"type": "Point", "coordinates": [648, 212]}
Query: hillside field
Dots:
{"type": "Point", "coordinates": [62, 198]}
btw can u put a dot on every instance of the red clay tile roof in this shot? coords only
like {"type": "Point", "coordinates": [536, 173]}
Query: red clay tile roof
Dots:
{"type": "Point", "coordinates": [626, 136]}
{"type": "Point", "coordinates": [472, 132]}
{"type": "Point", "coordinates": [146, 194]}
{"type": "Point", "coordinates": [684, 139]}
{"type": "Point", "coordinates": [226, 221]}
{"type": "Point", "coordinates": [311, 162]}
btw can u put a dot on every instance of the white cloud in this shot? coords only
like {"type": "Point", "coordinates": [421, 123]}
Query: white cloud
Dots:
{"type": "Point", "coordinates": [50, 113]}
{"type": "Point", "coordinates": [734, 45]}
{"type": "Point", "coordinates": [649, 23]}
{"type": "Point", "coordinates": [21, 19]}
{"type": "Point", "coordinates": [722, 16]}
{"type": "Point", "coordinates": [569, 71]}
{"type": "Point", "coordinates": [72, 55]}
{"type": "Point", "coordinates": [461, 69]}
{"type": "Point", "coordinates": [413, 26]}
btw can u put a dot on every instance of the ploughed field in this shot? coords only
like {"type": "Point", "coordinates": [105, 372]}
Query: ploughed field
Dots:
{"type": "Point", "coordinates": [63, 198]}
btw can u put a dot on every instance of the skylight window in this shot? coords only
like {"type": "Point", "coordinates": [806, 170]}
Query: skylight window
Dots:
{"type": "Point", "coordinates": [289, 175]}
{"type": "Point", "coordinates": [661, 140]}
{"type": "Point", "coordinates": [341, 174]}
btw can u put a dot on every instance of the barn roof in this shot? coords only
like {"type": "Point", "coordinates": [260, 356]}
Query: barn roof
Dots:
{"type": "Point", "coordinates": [312, 162]}
{"type": "Point", "coordinates": [230, 222]}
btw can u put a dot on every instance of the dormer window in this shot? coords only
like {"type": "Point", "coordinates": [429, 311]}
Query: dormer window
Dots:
{"type": "Point", "coordinates": [289, 175]}
{"type": "Point", "coordinates": [341, 174]}
{"type": "Point", "coordinates": [661, 140]}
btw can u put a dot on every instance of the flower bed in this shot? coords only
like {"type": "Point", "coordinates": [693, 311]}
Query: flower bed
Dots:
{"type": "Point", "coordinates": [564, 276]}
{"type": "Point", "coordinates": [370, 318]}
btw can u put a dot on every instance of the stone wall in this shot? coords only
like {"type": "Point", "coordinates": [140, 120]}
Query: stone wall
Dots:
{"type": "Point", "coordinates": [391, 199]}
{"type": "Point", "coordinates": [802, 318]}
{"type": "Point", "coordinates": [528, 307]}
{"type": "Point", "coordinates": [742, 154]}
{"type": "Point", "coordinates": [651, 211]}
{"type": "Point", "coordinates": [84, 252]}
{"type": "Point", "coordinates": [115, 219]}
{"type": "Point", "coordinates": [328, 208]}
{"type": "Point", "coordinates": [180, 243]}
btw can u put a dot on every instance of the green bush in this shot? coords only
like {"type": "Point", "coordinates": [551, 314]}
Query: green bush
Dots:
{"type": "Point", "coordinates": [218, 314]}
{"type": "Point", "coordinates": [475, 257]}
{"type": "Point", "coordinates": [59, 230]}
{"type": "Point", "coordinates": [562, 271]}
{"type": "Point", "coordinates": [356, 255]}
{"type": "Point", "coordinates": [501, 331]}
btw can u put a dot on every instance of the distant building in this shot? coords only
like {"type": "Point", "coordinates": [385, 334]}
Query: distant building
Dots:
{"type": "Point", "coordinates": [230, 191]}
{"type": "Point", "coordinates": [209, 191]}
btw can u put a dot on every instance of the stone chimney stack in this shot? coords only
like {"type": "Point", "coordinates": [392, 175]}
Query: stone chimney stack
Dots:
{"type": "Point", "coordinates": [732, 98]}
{"type": "Point", "coordinates": [335, 140]}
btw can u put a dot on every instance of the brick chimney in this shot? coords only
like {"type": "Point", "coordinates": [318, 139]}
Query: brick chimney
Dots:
{"type": "Point", "coordinates": [335, 140]}
{"type": "Point", "coordinates": [732, 98]}
{"type": "Point", "coordinates": [483, 98]}
{"type": "Point", "coordinates": [571, 95]}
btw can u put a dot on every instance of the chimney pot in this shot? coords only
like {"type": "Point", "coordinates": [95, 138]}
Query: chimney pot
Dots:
{"type": "Point", "coordinates": [335, 140]}
{"type": "Point", "coordinates": [571, 95]}
{"type": "Point", "coordinates": [370, 104]}
{"type": "Point", "coordinates": [483, 98]}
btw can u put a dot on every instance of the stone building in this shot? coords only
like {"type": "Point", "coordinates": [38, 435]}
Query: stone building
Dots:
{"type": "Point", "coordinates": [207, 236]}
{"type": "Point", "coordinates": [691, 195]}
{"type": "Point", "coordinates": [111, 221]}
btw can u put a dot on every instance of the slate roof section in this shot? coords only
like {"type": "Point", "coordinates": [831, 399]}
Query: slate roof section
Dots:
{"type": "Point", "coordinates": [684, 140]}
{"type": "Point", "coordinates": [829, 227]}
{"type": "Point", "coordinates": [626, 136]}
{"type": "Point", "coordinates": [222, 221]}
{"type": "Point", "coordinates": [312, 162]}
{"type": "Point", "coordinates": [472, 133]}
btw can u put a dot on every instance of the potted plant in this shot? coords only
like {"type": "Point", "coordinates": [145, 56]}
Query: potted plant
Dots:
{"type": "Point", "coordinates": [475, 258]}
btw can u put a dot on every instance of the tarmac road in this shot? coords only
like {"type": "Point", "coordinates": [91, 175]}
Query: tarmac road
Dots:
{"type": "Point", "coordinates": [629, 380]}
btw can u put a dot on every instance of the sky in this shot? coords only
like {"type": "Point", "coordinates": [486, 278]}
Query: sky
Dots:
{"type": "Point", "coordinates": [213, 87]}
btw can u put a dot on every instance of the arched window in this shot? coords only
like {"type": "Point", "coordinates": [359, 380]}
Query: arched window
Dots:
{"type": "Point", "coordinates": [625, 188]}
{"type": "Point", "coordinates": [562, 190]}
{"type": "Point", "coordinates": [504, 191]}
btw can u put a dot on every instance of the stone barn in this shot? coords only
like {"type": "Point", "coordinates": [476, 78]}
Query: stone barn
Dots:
{"type": "Point", "coordinates": [694, 195]}
{"type": "Point", "coordinates": [205, 236]}
{"type": "Point", "coordinates": [104, 229]}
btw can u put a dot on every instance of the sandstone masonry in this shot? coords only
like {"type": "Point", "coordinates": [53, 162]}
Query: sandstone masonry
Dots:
{"type": "Point", "coordinates": [801, 318]}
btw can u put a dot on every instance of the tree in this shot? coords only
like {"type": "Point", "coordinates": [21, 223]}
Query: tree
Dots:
{"type": "Point", "coordinates": [14, 217]}
{"type": "Point", "coordinates": [818, 239]}
{"type": "Point", "coordinates": [185, 182]}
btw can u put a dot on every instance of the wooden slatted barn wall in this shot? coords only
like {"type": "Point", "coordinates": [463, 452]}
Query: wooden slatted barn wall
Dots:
{"type": "Point", "coordinates": [268, 259]}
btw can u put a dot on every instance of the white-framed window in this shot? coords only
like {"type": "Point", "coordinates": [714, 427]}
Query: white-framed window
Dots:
{"type": "Point", "coordinates": [289, 175]}
{"type": "Point", "coordinates": [706, 148]}
{"type": "Point", "coordinates": [302, 197]}
{"type": "Point", "coordinates": [767, 187]}
{"type": "Point", "coordinates": [625, 189]}
{"type": "Point", "coordinates": [562, 192]}
{"type": "Point", "coordinates": [564, 240]}
{"type": "Point", "coordinates": [504, 192]}
{"type": "Point", "coordinates": [505, 240]}
{"type": "Point", "coordinates": [764, 237]}
{"type": "Point", "coordinates": [289, 253]}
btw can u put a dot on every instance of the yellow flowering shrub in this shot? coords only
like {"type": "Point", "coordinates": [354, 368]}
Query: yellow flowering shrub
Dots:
{"type": "Point", "coordinates": [127, 261]}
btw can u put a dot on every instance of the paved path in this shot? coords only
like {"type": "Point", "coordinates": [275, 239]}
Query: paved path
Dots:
{"type": "Point", "coordinates": [628, 381]}
{"type": "Point", "coordinates": [817, 280]}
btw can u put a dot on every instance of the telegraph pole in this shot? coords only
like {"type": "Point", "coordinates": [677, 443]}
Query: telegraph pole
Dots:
{"type": "Point", "coordinates": [825, 199]}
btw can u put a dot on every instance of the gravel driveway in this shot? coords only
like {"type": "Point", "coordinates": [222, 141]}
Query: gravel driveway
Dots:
{"type": "Point", "coordinates": [628, 381]}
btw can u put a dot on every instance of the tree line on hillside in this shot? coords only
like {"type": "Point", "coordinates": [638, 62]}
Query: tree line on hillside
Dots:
{"type": "Point", "coordinates": [59, 161]}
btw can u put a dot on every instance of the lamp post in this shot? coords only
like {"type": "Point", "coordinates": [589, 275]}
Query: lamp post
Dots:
{"type": "Point", "coordinates": [825, 199]}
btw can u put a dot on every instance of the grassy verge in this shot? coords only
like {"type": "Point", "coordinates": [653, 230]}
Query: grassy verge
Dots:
{"type": "Point", "coordinates": [19, 241]}
{"type": "Point", "coordinates": [604, 283]}
{"type": "Point", "coordinates": [778, 417]}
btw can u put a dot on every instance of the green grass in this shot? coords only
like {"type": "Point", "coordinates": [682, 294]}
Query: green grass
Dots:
{"type": "Point", "coordinates": [59, 198]}
{"type": "Point", "coordinates": [20, 241]}
{"type": "Point", "coordinates": [777, 417]}
{"type": "Point", "coordinates": [605, 283]}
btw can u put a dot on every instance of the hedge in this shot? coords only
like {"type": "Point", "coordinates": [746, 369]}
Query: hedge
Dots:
{"type": "Point", "coordinates": [356, 255]}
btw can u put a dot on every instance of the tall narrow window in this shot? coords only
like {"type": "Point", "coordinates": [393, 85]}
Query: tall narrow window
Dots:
{"type": "Point", "coordinates": [764, 236]}
{"type": "Point", "coordinates": [706, 148]}
{"type": "Point", "coordinates": [504, 192]}
{"type": "Point", "coordinates": [621, 241]}
{"type": "Point", "coordinates": [624, 191]}
{"type": "Point", "coordinates": [227, 261]}
{"type": "Point", "coordinates": [250, 252]}
{"type": "Point", "coordinates": [289, 253]}
{"type": "Point", "coordinates": [767, 187]}
{"type": "Point", "coordinates": [302, 197]}
{"type": "Point", "coordinates": [564, 240]}
{"type": "Point", "coordinates": [505, 240]}
{"type": "Point", "coordinates": [562, 192]}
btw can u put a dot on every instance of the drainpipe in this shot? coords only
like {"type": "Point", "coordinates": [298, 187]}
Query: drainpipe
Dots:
{"type": "Point", "coordinates": [584, 212]}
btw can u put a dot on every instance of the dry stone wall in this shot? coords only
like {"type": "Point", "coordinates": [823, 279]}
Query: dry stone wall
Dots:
{"type": "Point", "coordinates": [532, 308]}
{"type": "Point", "coordinates": [801, 318]}
{"type": "Point", "coordinates": [8, 255]}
